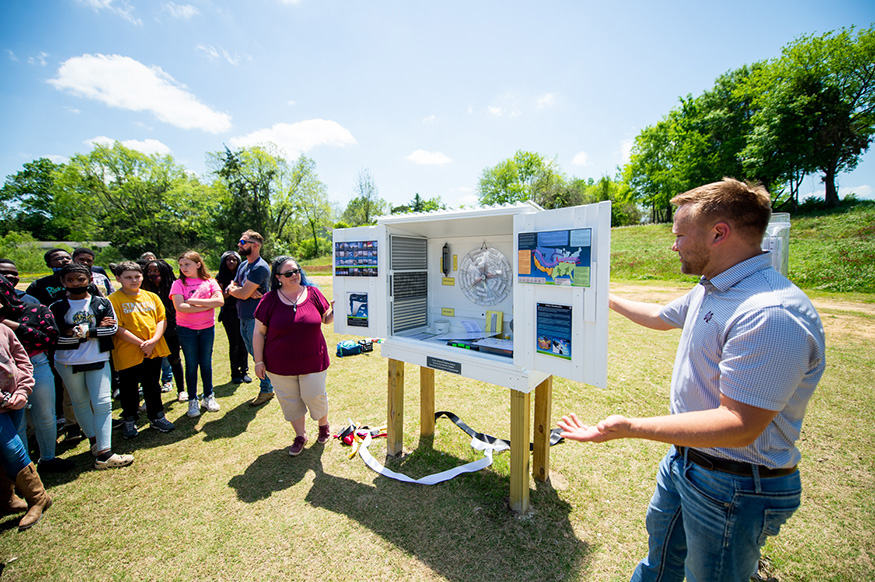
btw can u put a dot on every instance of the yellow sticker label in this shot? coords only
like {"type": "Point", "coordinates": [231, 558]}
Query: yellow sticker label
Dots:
{"type": "Point", "coordinates": [449, 281]}
{"type": "Point", "coordinates": [448, 312]}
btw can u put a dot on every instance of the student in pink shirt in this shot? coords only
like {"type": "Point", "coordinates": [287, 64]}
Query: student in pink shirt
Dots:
{"type": "Point", "coordinates": [196, 296]}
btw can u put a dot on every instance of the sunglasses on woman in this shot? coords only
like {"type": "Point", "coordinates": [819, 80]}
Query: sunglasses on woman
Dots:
{"type": "Point", "coordinates": [288, 274]}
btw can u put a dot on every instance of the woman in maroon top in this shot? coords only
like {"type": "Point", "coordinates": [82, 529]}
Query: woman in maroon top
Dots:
{"type": "Point", "coordinates": [289, 348]}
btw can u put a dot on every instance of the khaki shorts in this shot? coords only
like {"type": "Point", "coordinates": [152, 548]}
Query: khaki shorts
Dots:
{"type": "Point", "coordinates": [298, 394]}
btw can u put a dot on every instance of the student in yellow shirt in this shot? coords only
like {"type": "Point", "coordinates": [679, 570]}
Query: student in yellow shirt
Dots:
{"type": "Point", "coordinates": [138, 348]}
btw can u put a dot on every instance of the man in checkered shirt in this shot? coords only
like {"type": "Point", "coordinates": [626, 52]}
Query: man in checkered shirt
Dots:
{"type": "Point", "coordinates": [750, 356]}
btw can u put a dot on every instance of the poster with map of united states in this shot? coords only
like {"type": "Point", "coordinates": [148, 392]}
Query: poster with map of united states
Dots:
{"type": "Point", "coordinates": [555, 257]}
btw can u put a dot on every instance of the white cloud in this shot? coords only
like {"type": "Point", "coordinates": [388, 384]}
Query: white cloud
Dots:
{"type": "Point", "coordinates": [56, 159]}
{"type": "Point", "coordinates": [424, 158]}
{"type": "Point", "coordinates": [495, 110]}
{"type": "Point", "coordinates": [121, 8]}
{"type": "Point", "coordinates": [626, 150]}
{"type": "Point", "coordinates": [300, 137]}
{"type": "Point", "coordinates": [181, 11]}
{"type": "Point", "coordinates": [290, 103]}
{"type": "Point", "coordinates": [72, 109]}
{"type": "Point", "coordinates": [146, 146]}
{"type": "Point", "coordinates": [212, 53]}
{"type": "Point", "coordinates": [516, 113]}
{"type": "Point", "coordinates": [39, 59]}
{"type": "Point", "coordinates": [546, 100]}
{"type": "Point", "coordinates": [125, 83]}
{"type": "Point", "coordinates": [429, 118]}
{"type": "Point", "coordinates": [580, 159]}
{"type": "Point", "coordinates": [11, 54]}
{"type": "Point", "coordinates": [470, 109]}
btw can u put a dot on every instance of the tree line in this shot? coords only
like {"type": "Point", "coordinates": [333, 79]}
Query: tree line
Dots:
{"type": "Point", "coordinates": [809, 111]}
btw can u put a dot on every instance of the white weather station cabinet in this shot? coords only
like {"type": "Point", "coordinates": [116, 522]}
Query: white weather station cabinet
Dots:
{"type": "Point", "coordinates": [510, 295]}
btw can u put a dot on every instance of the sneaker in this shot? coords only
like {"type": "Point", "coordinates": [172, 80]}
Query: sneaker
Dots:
{"type": "Point", "coordinates": [161, 424]}
{"type": "Point", "coordinates": [247, 378]}
{"type": "Point", "coordinates": [209, 402]}
{"type": "Point", "coordinates": [297, 446]}
{"type": "Point", "coordinates": [117, 423]}
{"type": "Point", "coordinates": [262, 398]}
{"type": "Point", "coordinates": [193, 409]}
{"type": "Point", "coordinates": [166, 387]}
{"type": "Point", "coordinates": [130, 429]}
{"type": "Point", "coordinates": [56, 465]}
{"type": "Point", "coordinates": [182, 397]}
{"type": "Point", "coordinates": [324, 434]}
{"type": "Point", "coordinates": [115, 461]}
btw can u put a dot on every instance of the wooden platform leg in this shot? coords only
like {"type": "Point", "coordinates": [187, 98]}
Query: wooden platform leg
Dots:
{"type": "Point", "coordinates": [426, 401]}
{"type": "Point", "coordinates": [520, 429]}
{"type": "Point", "coordinates": [395, 428]}
{"type": "Point", "coordinates": [543, 412]}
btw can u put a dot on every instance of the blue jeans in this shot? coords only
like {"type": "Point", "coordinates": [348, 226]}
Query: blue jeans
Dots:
{"type": "Point", "coordinates": [91, 397]}
{"type": "Point", "coordinates": [247, 328]}
{"type": "Point", "coordinates": [13, 453]}
{"type": "Point", "coordinates": [166, 371]}
{"type": "Point", "coordinates": [709, 525]}
{"type": "Point", "coordinates": [197, 348]}
{"type": "Point", "coordinates": [42, 407]}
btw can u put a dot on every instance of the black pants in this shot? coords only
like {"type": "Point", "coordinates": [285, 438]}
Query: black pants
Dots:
{"type": "Point", "coordinates": [148, 374]}
{"type": "Point", "coordinates": [236, 348]}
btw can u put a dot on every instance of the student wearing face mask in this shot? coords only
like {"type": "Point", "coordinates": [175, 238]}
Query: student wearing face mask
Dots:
{"type": "Point", "coordinates": [87, 323]}
{"type": "Point", "coordinates": [49, 289]}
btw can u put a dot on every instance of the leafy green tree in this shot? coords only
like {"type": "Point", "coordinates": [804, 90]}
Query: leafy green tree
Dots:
{"type": "Point", "coordinates": [420, 204]}
{"type": "Point", "coordinates": [27, 202]}
{"type": "Point", "coordinates": [310, 196]}
{"type": "Point", "coordinates": [135, 201]}
{"type": "Point", "coordinates": [367, 205]}
{"type": "Point", "coordinates": [818, 101]}
{"type": "Point", "coordinates": [525, 176]}
{"type": "Point", "coordinates": [254, 178]}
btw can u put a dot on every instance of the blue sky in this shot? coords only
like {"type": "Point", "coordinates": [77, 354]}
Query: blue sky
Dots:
{"type": "Point", "coordinates": [424, 95]}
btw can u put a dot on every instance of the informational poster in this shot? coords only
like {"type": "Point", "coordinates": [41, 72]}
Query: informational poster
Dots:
{"type": "Point", "coordinates": [355, 258]}
{"type": "Point", "coordinates": [553, 326]}
{"type": "Point", "coordinates": [357, 309]}
{"type": "Point", "coordinates": [556, 257]}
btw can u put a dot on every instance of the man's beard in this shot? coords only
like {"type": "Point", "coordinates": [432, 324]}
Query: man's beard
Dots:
{"type": "Point", "coordinates": [245, 251]}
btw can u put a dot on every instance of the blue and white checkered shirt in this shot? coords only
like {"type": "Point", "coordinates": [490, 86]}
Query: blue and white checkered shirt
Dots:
{"type": "Point", "coordinates": [752, 335]}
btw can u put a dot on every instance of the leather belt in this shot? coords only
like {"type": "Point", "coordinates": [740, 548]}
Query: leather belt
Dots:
{"type": "Point", "coordinates": [733, 467]}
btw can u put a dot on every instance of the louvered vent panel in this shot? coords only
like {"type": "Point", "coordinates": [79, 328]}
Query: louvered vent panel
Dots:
{"type": "Point", "coordinates": [406, 285]}
{"type": "Point", "coordinates": [408, 254]}
{"type": "Point", "coordinates": [409, 314]}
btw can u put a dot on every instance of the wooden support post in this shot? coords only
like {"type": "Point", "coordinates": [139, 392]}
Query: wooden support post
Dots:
{"type": "Point", "coordinates": [426, 401]}
{"type": "Point", "coordinates": [543, 412]}
{"type": "Point", "coordinates": [395, 428]}
{"type": "Point", "coordinates": [520, 431]}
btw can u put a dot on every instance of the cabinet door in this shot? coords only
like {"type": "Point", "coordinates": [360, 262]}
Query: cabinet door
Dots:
{"type": "Point", "coordinates": [560, 305]}
{"type": "Point", "coordinates": [360, 274]}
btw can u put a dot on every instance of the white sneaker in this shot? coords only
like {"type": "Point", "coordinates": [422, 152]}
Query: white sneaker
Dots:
{"type": "Point", "coordinates": [182, 397]}
{"type": "Point", "coordinates": [209, 402]}
{"type": "Point", "coordinates": [166, 386]}
{"type": "Point", "coordinates": [193, 409]}
{"type": "Point", "coordinates": [115, 461]}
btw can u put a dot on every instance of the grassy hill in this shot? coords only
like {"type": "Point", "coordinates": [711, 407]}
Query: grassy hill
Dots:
{"type": "Point", "coordinates": [829, 252]}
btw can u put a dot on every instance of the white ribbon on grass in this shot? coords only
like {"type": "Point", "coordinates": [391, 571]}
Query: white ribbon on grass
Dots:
{"type": "Point", "coordinates": [488, 449]}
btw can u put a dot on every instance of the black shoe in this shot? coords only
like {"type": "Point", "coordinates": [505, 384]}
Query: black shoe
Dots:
{"type": "Point", "coordinates": [247, 378]}
{"type": "Point", "coordinates": [236, 380]}
{"type": "Point", "coordinates": [73, 432]}
{"type": "Point", "coordinates": [56, 465]}
{"type": "Point", "coordinates": [118, 423]}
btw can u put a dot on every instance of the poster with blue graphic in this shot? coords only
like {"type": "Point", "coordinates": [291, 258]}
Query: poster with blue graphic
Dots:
{"type": "Point", "coordinates": [553, 327]}
{"type": "Point", "coordinates": [556, 257]}
{"type": "Point", "coordinates": [355, 259]}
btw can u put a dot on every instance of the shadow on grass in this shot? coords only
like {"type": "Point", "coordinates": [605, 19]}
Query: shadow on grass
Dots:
{"type": "Point", "coordinates": [231, 424]}
{"type": "Point", "coordinates": [463, 529]}
{"type": "Point", "coordinates": [272, 472]}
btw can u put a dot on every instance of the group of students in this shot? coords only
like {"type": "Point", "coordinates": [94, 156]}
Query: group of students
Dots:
{"type": "Point", "coordinates": [88, 343]}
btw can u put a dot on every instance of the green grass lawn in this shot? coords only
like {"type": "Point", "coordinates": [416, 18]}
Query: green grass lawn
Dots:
{"type": "Point", "coordinates": [219, 498]}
